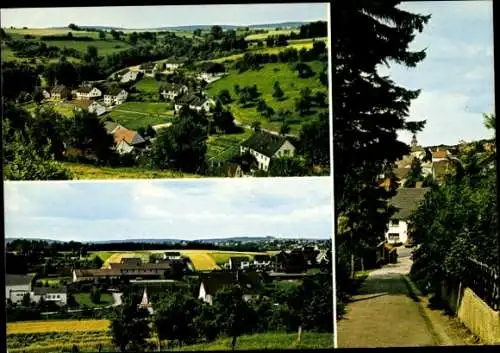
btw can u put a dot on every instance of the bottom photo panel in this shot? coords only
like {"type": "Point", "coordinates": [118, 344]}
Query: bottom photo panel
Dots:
{"type": "Point", "coordinates": [218, 264]}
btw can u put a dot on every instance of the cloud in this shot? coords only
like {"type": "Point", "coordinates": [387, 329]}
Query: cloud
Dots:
{"type": "Point", "coordinates": [190, 209]}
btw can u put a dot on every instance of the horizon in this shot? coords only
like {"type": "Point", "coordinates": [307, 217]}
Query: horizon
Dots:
{"type": "Point", "coordinates": [184, 209]}
{"type": "Point", "coordinates": [132, 17]}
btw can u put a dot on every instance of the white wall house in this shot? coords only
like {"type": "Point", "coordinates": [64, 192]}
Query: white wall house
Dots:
{"type": "Point", "coordinates": [172, 91]}
{"type": "Point", "coordinates": [46, 94]}
{"type": "Point", "coordinates": [58, 296]}
{"type": "Point", "coordinates": [88, 93]}
{"type": "Point", "coordinates": [173, 65]}
{"type": "Point", "coordinates": [16, 287]}
{"type": "Point", "coordinates": [193, 102]}
{"type": "Point", "coordinates": [264, 146]}
{"type": "Point", "coordinates": [115, 97]}
{"type": "Point", "coordinates": [129, 76]}
{"type": "Point", "coordinates": [91, 106]}
{"type": "Point", "coordinates": [406, 201]}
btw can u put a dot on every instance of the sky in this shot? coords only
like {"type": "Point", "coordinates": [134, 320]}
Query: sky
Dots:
{"type": "Point", "coordinates": [457, 76]}
{"type": "Point", "coordinates": [164, 16]}
{"type": "Point", "coordinates": [160, 209]}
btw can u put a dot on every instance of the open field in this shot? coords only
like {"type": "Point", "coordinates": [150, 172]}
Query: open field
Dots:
{"type": "Point", "coordinates": [38, 32]}
{"type": "Point", "coordinates": [148, 84]}
{"type": "Point", "coordinates": [222, 147]}
{"type": "Point", "coordinates": [262, 36]}
{"type": "Point", "coordinates": [54, 281]}
{"type": "Point", "coordinates": [84, 299]}
{"type": "Point", "coordinates": [87, 171]}
{"type": "Point", "coordinates": [56, 326]}
{"type": "Point", "coordinates": [134, 115]}
{"type": "Point", "coordinates": [118, 256]}
{"type": "Point", "coordinates": [271, 340]}
{"type": "Point", "coordinates": [265, 78]}
{"type": "Point", "coordinates": [104, 255]}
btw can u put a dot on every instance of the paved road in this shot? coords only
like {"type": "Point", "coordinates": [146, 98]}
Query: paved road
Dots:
{"type": "Point", "coordinates": [383, 314]}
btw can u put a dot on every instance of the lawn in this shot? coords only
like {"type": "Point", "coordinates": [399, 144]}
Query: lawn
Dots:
{"type": "Point", "coordinates": [38, 32]}
{"type": "Point", "coordinates": [84, 299]}
{"type": "Point", "coordinates": [223, 147]}
{"type": "Point", "coordinates": [134, 115]}
{"type": "Point", "coordinates": [148, 84]}
{"type": "Point", "coordinates": [265, 78]}
{"type": "Point", "coordinates": [87, 171]}
{"type": "Point", "coordinates": [268, 340]}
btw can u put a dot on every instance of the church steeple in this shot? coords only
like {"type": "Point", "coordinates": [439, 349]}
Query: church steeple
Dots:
{"type": "Point", "coordinates": [414, 142]}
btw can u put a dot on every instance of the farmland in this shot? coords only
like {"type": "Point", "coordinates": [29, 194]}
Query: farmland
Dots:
{"type": "Point", "coordinates": [262, 36]}
{"type": "Point", "coordinates": [265, 78]}
{"type": "Point", "coordinates": [84, 299]}
{"type": "Point", "coordinates": [202, 260]}
{"type": "Point", "coordinates": [148, 84]}
{"type": "Point", "coordinates": [134, 115]}
{"type": "Point", "coordinates": [222, 147]}
{"type": "Point", "coordinates": [56, 326]}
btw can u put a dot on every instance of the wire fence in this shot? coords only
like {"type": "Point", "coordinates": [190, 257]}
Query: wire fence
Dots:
{"type": "Point", "coordinates": [484, 280]}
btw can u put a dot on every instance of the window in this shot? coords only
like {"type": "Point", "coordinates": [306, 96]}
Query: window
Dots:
{"type": "Point", "coordinates": [286, 152]}
{"type": "Point", "coordinates": [393, 236]}
{"type": "Point", "coordinates": [395, 222]}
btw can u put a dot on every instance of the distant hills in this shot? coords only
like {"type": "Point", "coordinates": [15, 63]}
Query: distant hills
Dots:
{"type": "Point", "coordinates": [193, 27]}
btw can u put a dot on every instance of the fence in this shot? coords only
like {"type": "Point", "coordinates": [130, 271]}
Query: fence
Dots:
{"type": "Point", "coordinates": [484, 281]}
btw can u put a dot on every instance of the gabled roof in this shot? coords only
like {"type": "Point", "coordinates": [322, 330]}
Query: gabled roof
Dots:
{"type": "Point", "coordinates": [59, 89]}
{"type": "Point", "coordinates": [238, 259]}
{"type": "Point", "coordinates": [83, 103]}
{"type": "Point", "coordinates": [147, 66]}
{"type": "Point", "coordinates": [172, 253]}
{"type": "Point", "coordinates": [264, 142]}
{"type": "Point", "coordinates": [261, 258]}
{"type": "Point", "coordinates": [49, 290]}
{"type": "Point", "coordinates": [190, 99]}
{"type": "Point", "coordinates": [18, 280]}
{"type": "Point", "coordinates": [176, 61]}
{"type": "Point", "coordinates": [113, 91]}
{"type": "Point", "coordinates": [85, 89]}
{"type": "Point", "coordinates": [129, 136]}
{"type": "Point", "coordinates": [407, 201]}
{"type": "Point", "coordinates": [110, 126]}
{"type": "Point", "coordinates": [216, 281]}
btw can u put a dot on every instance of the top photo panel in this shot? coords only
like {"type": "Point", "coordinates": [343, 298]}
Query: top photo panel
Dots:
{"type": "Point", "coordinates": [195, 91]}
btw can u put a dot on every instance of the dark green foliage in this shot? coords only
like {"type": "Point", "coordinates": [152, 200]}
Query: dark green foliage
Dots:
{"type": "Point", "coordinates": [314, 140]}
{"type": "Point", "coordinates": [224, 96]}
{"type": "Point", "coordinates": [287, 166]}
{"type": "Point", "coordinates": [277, 91]}
{"type": "Point", "coordinates": [369, 111]}
{"type": "Point", "coordinates": [97, 262]}
{"type": "Point", "coordinates": [415, 174]}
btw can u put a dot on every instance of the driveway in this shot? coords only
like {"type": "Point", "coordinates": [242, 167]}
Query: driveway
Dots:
{"type": "Point", "coordinates": [384, 314]}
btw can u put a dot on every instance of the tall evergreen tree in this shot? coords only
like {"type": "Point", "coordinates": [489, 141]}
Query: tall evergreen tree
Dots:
{"type": "Point", "coordinates": [369, 109]}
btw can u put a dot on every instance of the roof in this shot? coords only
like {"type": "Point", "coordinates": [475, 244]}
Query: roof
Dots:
{"type": "Point", "coordinates": [147, 66]}
{"type": "Point", "coordinates": [59, 89]}
{"type": "Point", "coordinates": [110, 126]}
{"type": "Point", "coordinates": [129, 136]}
{"type": "Point", "coordinates": [262, 258]}
{"type": "Point", "coordinates": [439, 154]}
{"type": "Point", "coordinates": [49, 290]}
{"type": "Point", "coordinates": [114, 91]}
{"type": "Point", "coordinates": [175, 61]}
{"type": "Point", "coordinates": [172, 253]}
{"type": "Point", "coordinates": [83, 103]}
{"type": "Point", "coordinates": [172, 87]}
{"type": "Point", "coordinates": [131, 260]}
{"type": "Point", "coordinates": [18, 280]}
{"type": "Point", "coordinates": [190, 99]}
{"type": "Point", "coordinates": [235, 259]}
{"type": "Point", "coordinates": [407, 201]}
{"type": "Point", "coordinates": [216, 281]}
{"type": "Point", "coordinates": [264, 142]}
{"type": "Point", "coordinates": [102, 272]}
{"type": "Point", "coordinates": [85, 89]}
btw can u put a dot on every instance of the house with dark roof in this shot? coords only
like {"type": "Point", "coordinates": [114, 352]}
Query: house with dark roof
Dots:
{"type": "Point", "coordinates": [115, 96]}
{"type": "Point", "coordinates": [172, 90]}
{"type": "Point", "coordinates": [88, 93]}
{"type": "Point", "coordinates": [265, 146]}
{"type": "Point", "coordinates": [262, 261]}
{"type": "Point", "coordinates": [148, 69]}
{"type": "Point", "coordinates": [60, 92]}
{"type": "Point", "coordinates": [406, 202]}
{"type": "Point", "coordinates": [193, 102]}
{"type": "Point", "coordinates": [58, 295]}
{"type": "Point", "coordinates": [250, 284]}
{"type": "Point", "coordinates": [16, 286]}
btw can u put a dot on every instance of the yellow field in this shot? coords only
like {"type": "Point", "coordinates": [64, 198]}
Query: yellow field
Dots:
{"type": "Point", "coordinates": [50, 32]}
{"type": "Point", "coordinates": [57, 326]}
{"type": "Point", "coordinates": [118, 256]}
{"type": "Point", "coordinates": [200, 260]}
{"type": "Point", "coordinates": [262, 36]}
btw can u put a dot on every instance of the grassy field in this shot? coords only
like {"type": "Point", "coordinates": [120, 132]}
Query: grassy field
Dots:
{"type": "Point", "coordinates": [222, 147]}
{"type": "Point", "coordinates": [56, 326]}
{"type": "Point", "coordinates": [265, 78]}
{"type": "Point", "coordinates": [84, 299]}
{"type": "Point", "coordinates": [271, 340]}
{"type": "Point", "coordinates": [134, 115]}
{"type": "Point", "coordinates": [104, 255]}
{"type": "Point", "coordinates": [148, 84]}
{"type": "Point", "coordinates": [38, 32]}
{"type": "Point", "coordinates": [86, 171]}
{"type": "Point", "coordinates": [54, 281]}
{"type": "Point", "coordinates": [262, 36]}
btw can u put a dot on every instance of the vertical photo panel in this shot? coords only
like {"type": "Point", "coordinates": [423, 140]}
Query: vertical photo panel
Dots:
{"type": "Point", "coordinates": [141, 92]}
{"type": "Point", "coordinates": [415, 174]}
{"type": "Point", "coordinates": [218, 264]}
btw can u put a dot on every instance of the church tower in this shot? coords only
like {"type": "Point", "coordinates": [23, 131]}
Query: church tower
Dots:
{"type": "Point", "coordinates": [414, 142]}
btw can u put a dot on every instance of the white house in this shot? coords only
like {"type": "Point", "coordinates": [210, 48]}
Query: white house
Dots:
{"type": "Point", "coordinates": [173, 64]}
{"type": "Point", "coordinates": [86, 93]}
{"type": "Point", "coordinates": [129, 76]}
{"type": "Point", "coordinates": [91, 106]}
{"type": "Point", "coordinates": [173, 90]}
{"type": "Point", "coordinates": [262, 261]}
{"type": "Point", "coordinates": [48, 294]}
{"type": "Point", "coordinates": [16, 286]}
{"type": "Point", "coordinates": [172, 255]}
{"type": "Point", "coordinates": [115, 96]}
{"type": "Point", "coordinates": [264, 146]}
{"type": "Point", "coordinates": [406, 202]}
{"type": "Point", "coordinates": [148, 69]}
{"type": "Point", "coordinates": [193, 102]}
{"type": "Point", "coordinates": [45, 94]}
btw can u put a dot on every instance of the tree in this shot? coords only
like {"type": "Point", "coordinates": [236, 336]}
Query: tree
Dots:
{"type": "Point", "coordinates": [102, 35]}
{"type": "Point", "coordinates": [232, 312]}
{"type": "Point", "coordinates": [224, 96]}
{"type": "Point", "coordinates": [175, 318]}
{"type": "Point", "coordinates": [415, 174]}
{"type": "Point", "coordinates": [255, 125]}
{"type": "Point", "coordinates": [216, 32]}
{"type": "Point", "coordinates": [277, 91]}
{"type": "Point", "coordinates": [38, 95]}
{"type": "Point", "coordinates": [26, 300]}
{"type": "Point", "coordinates": [95, 295]}
{"type": "Point", "coordinates": [287, 166]}
{"type": "Point", "coordinates": [70, 35]}
{"type": "Point", "coordinates": [285, 128]}
{"type": "Point", "coordinates": [370, 110]}
{"type": "Point", "coordinates": [304, 70]}
{"type": "Point", "coordinates": [115, 34]}
{"type": "Point", "coordinates": [237, 89]}
{"type": "Point", "coordinates": [97, 262]}
{"type": "Point", "coordinates": [73, 27]}
{"type": "Point", "coordinates": [129, 327]}
{"type": "Point", "coordinates": [197, 32]}
{"type": "Point", "coordinates": [92, 54]}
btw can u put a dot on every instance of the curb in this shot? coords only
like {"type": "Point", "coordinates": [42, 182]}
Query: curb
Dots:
{"type": "Point", "coordinates": [440, 336]}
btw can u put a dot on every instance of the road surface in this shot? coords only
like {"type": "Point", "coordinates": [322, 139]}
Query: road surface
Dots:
{"type": "Point", "coordinates": [383, 314]}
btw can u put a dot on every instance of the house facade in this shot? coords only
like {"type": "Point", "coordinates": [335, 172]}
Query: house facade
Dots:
{"type": "Point", "coordinates": [87, 93]}
{"type": "Point", "coordinates": [406, 202]}
{"type": "Point", "coordinates": [193, 102]}
{"type": "Point", "coordinates": [91, 106]}
{"type": "Point", "coordinates": [125, 140]}
{"type": "Point", "coordinates": [171, 91]}
{"type": "Point", "coordinates": [60, 92]}
{"type": "Point", "coordinates": [129, 76]}
{"type": "Point", "coordinates": [115, 96]}
{"type": "Point", "coordinates": [16, 287]}
{"type": "Point", "coordinates": [48, 294]}
{"type": "Point", "coordinates": [264, 146]}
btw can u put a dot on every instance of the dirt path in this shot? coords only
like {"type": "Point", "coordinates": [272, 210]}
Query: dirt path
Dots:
{"type": "Point", "coordinates": [386, 313]}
